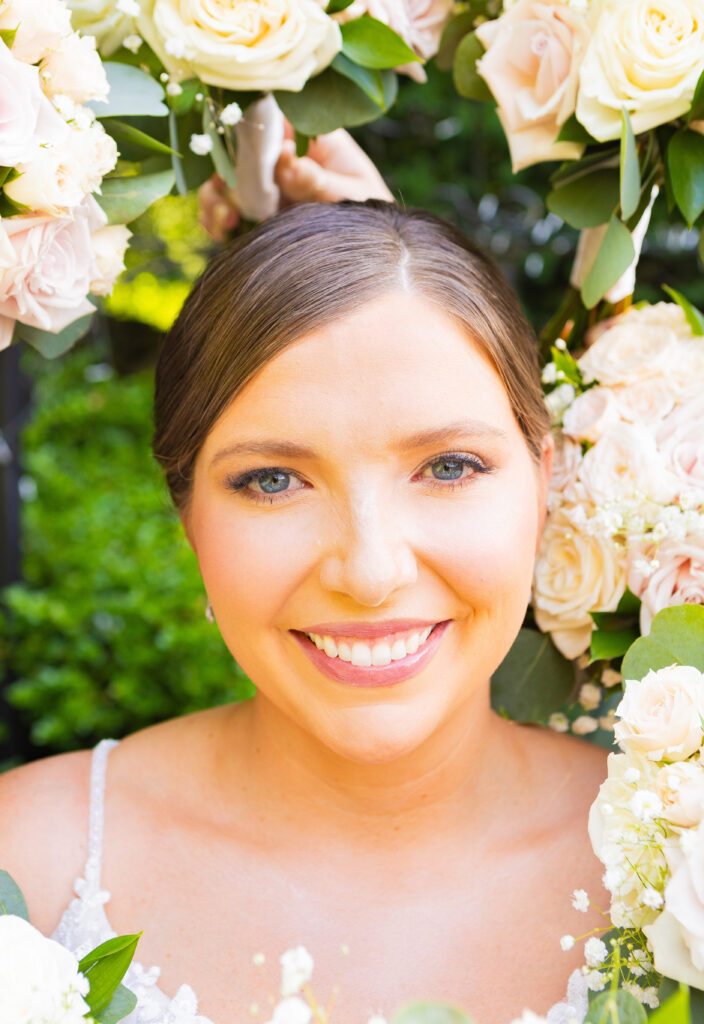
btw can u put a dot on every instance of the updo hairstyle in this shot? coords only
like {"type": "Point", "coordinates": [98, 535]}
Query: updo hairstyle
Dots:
{"type": "Point", "coordinates": [304, 268]}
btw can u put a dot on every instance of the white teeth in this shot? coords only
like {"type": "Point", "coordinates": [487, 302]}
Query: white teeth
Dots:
{"type": "Point", "coordinates": [381, 654]}
{"type": "Point", "coordinates": [361, 655]}
{"type": "Point", "coordinates": [398, 650]}
{"type": "Point", "coordinates": [413, 643]}
{"type": "Point", "coordinates": [343, 652]}
{"type": "Point", "coordinates": [329, 646]}
{"type": "Point", "coordinates": [425, 634]}
{"type": "Point", "coordinates": [318, 641]}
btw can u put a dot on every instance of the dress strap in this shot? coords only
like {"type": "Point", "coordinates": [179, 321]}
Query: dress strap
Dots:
{"type": "Point", "coordinates": [97, 814]}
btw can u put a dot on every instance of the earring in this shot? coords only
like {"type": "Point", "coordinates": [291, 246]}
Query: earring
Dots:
{"type": "Point", "coordinates": [209, 612]}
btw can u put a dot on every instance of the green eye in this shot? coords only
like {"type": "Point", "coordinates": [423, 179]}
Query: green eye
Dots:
{"type": "Point", "coordinates": [447, 469]}
{"type": "Point", "coordinates": [272, 483]}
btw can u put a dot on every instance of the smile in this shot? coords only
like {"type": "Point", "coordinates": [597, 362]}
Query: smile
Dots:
{"type": "Point", "coordinates": [378, 661]}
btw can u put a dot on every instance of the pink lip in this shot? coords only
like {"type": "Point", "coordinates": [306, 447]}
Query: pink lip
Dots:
{"type": "Point", "coordinates": [381, 675]}
{"type": "Point", "coordinates": [369, 630]}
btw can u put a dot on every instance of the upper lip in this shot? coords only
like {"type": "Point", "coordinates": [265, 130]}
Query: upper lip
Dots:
{"type": "Point", "coordinates": [369, 629]}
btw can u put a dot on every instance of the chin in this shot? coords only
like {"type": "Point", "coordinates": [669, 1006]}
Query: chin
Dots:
{"type": "Point", "coordinates": [379, 735]}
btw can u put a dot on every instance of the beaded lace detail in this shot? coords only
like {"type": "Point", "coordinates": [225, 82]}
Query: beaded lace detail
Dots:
{"type": "Point", "coordinates": [84, 925]}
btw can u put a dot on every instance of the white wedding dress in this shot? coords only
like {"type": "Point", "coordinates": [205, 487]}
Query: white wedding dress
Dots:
{"type": "Point", "coordinates": [84, 925]}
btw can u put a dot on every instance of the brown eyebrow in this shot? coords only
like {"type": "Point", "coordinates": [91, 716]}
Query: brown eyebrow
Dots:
{"type": "Point", "coordinates": [422, 439]}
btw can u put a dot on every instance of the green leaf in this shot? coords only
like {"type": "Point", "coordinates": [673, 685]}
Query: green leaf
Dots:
{"type": "Point", "coordinates": [129, 139]}
{"type": "Point", "coordinates": [186, 99]}
{"type": "Point", "coordinates": [611, 643]}
{"type": "Point", "coordinates": [51, 345]}
{"type": "Point", "coordinates": [615, 255]}
{"type": "Point", "coordinates": [467, 79]}
{"type": "Point", "coordinates": [533, 679]}
{"type": "Point", "coordinates": [8, 174]}
{"type": "Point", "coordinates": [302, 143]}
{"type": "Point", "coordinates": [122, 1003]}
{"type": "Point", "coordinates": [373, 44]}
{"type": "Point", "coordinates": [123, 199]}
{"type": "Point", "coordinates": [9, 208]}
{"type": "Point", "coordinates": [588, 201]}
{"type": "Point", "coordinates": [685, 164]}
{"type": "Point", "coordinates": [331, 101]}
{"type": "Point", "coordinates": [369, 80]}
{"type": "Point", "coordinates": [132, 92]}
{"type": "Point", "coordinates": [430, 1013]}
{"type": "Point", "coordinates": [572, 169]}
{"type": "Point", "coordinates": [674, 1010]}
{"type": "Point", "coordinates": [8, 36]}
{"type": "Point", "coordinates": [574, 131]}
{"type": "Point", "coordinates": [566, 364]}
{"type": "Point", "coordinates": [676, 638]}
{"type": "Point", "coordinates": [105, 968]}
{"type": "Point", "coordinates": [11, 899]}
{"type": "Point", "coordinates": [222, 161]}
{"type": "Point", "coordinates": [694, 317]}
{"type": "Point", "coordinates": [335, 6]}
{"type": "Point", "coordinates": [696, 112]}
{"type": "Point", "coordinates": [618, 1007]}
{"type": "Point", "coordinates": [454, 32]}
{"type": "Point", "coordinates": [629, 603]}
{"type": "Point", "coordinates": [629, 168]}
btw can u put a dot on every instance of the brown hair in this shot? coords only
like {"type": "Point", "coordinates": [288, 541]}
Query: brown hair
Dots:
{"type": "Point", "coordinates": [304, 268]}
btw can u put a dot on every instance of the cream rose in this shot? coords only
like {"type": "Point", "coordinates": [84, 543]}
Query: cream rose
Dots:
{"type": "Point", "coordinates": [419, 22]}
{"type": "Point", "coordinates": [680, 787]}
{"type": "Point", "coordinates": [575, 574]}
{"type": "Point", "coordinates": [241, 44]}
{"type": "Point", "coordinates": [103, 19]}
{"type": "Point", "coordinates": [646, 401]}
{"type": "Point", "coordinates": [47, 285]}
{"type": "Point", "coordinates": [684, 373]}
{"type": "Point", "coordinates": [645, 56]}
{"type": "Point", "coordinates": [109, 246]}
{"type": "Point", "coordinates": [27, 118]}
{"type": "Point", "coordinates": [678, 577]}
{"type": "Point", "coordinates": [637, 346]}
{"type": "Point", "coordinates": [531, 65]}
{"type": "Point", "coordinates": [680, 438]}
{"type": "Point", "coordinates": [625, 464]}
{"type": "Point", "coordinates": [661, 714]}
{"type": "Point", "coordinates": [591, 415]}
{"type": "Point", "coordinates": [40, 26]}
{"type": "Point", "coordinates": [74, 69]}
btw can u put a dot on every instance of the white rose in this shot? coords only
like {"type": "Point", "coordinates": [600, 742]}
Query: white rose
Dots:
{"type": "Point", "coordinates": [591, 414]}
{"type": "Point", "coordinates": [103, 19]}
{"type": "Point", "coordinates": [240, 44]}
{"type": "Point", "coordinates": [575, 574]}
{"type": "Point", "coordinates": [74, 69]}
{"type": "Point", "coordinates": [680, 438]}
{"type": "Point", "coordinates": [684, 372]}
{"type": "Point", "coordinates": [531, 64]}
{"type": "Point", "coordinates": [566, 460]}
{"type": "Point", "coordinates": [677, 577]}
{"type": "Point", "coordinates": [646, 401]}
{"type": "Point", "coordinates": [681, 790]}
{"type": "Point", "coordinates": [39, 978]}
{"type": "Point", "coordinates": [27, 118]}
{"type": "Point", "coordinates": [296, 970]}
{"type": "Point", "coordinates": [420, 23]}
{"type": "Point", "coordinates": [40, 26]}
{"type": "Point", "coordinates": [109, 246]}
{"type": "Point", "coordinates": [97, 153]}
{"type": "Point", "coordinates": [645, 56]}
{"type": "Point", "coordinates": [677, 936]}
{"type": "Point", "coordinates": [660, 715]}
{"type": "Point", "coordinates": [625, 464]}
{"type": "Point", "coordinates": [636, 346]}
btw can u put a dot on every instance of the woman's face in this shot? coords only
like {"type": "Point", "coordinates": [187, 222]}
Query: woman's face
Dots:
{"type": "Point", "coordinates": [370, 482]}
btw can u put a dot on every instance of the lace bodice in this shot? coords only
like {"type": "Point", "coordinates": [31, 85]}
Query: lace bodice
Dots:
{"type": "Point", "coordinates": [84, 925]}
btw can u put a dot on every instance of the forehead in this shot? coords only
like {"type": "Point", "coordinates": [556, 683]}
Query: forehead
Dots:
{"type": "Point", "coordinates": [396, 364]}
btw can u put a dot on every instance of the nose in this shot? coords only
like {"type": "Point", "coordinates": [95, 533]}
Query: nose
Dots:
{"type": "Point", "coordinates": [371, 557]}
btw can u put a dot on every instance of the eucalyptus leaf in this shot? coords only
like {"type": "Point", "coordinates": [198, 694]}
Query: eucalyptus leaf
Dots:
{"type": "Point", "coordinates": [369, 80]}
{"type": "Point", "coordinates": [533, 679]}
{"type": "Point", "coordinates": [302, 143]}
{"type": "Point", "coordinates": [467, 79]}
{"type": "Point", "coordinates": [685, 162]}
{"type": "Point", "coordinates": [454, 32]}
{"type": "Point", "coordinates": [574, 131]}
{"type": "Point", "coordinates": [694, 317]}
{"type": "Point", "coordinates": [571, 169]}
{"type": "Point", "coordinates": [618, 1007]}
{"type": "Point", "coordinates": [629, 168]}
{"type": "Point", "coordinates": [373, 44]}
{"type": "Point", "coordinates": [51, 345]}
{"type": "Point", "coordinates": [132, 92]}
{"type": "Point", "coordinates": [615, 255]}
{"type": "Point", "coordinates": [697, 109]}
{"type": "Point", "coordinates": [11, 899]}
{"type": "Point", "coordinates": [676, 637]}
{"type": "Point", "coordinates": [335, 6]}
{"type": "Point", "coordinates": [676, 1009]}
{"type": "Point", "coordinates": [131, 141]}
{"type": "Point", "coordinates": [588, 201]}
{"type": "Point", "coordinates": [611, 643]}
{"type": "Point", "coordinates": [123, 199]}
{"type": "Point", "coordinates": [105, 968]}
{"type": "Point", "coordinates": [122, 1003]}
{"type": "Point", "coordinates": [331, 101]}
{"type": "Point", "coordinates": [430, 1013]}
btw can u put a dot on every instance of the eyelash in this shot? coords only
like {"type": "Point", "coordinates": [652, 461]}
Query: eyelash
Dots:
{"type": "Point", "coordinates": [242, 482]}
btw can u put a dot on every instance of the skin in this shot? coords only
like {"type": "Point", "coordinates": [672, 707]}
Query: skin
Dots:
{"type": "Point", "coordinates": [438, 841]}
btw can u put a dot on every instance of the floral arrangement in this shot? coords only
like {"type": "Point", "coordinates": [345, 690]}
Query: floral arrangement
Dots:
{"type": "Point", "coordinates": [41, 982]}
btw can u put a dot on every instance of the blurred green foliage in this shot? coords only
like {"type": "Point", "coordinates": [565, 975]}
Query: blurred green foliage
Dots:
{"type": "Point", "coordinates": [107, 633]}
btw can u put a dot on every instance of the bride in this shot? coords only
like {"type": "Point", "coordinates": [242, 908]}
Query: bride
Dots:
{"type": "Point", "coordinates": [348, 413]}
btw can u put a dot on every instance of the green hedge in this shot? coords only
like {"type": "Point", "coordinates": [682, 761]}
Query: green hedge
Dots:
{"type": "Point", "coordinates": [106, 633]}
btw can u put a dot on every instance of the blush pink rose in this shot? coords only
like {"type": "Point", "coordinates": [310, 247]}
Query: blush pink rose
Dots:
{"type": "Point", "coordinates": [680, 438]}
{"type": "Point", "coordinates": [47, 285]}
{"type": "Point", "coordinates": [27, 118]}
{"type": "Point", "coordinates": [591, 415]}
{"type": "Point", "coordinates": [531, 65]}
{"type": "Point", "coordinates": [678, 578]}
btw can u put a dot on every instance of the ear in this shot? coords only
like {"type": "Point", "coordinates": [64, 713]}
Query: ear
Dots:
{"type": "Point", "coordinates": [544, 470]}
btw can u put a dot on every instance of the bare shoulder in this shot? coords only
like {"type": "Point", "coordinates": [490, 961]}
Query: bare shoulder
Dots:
{"type": "Point", "coordinates": [44, 836]}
